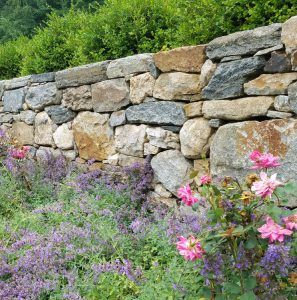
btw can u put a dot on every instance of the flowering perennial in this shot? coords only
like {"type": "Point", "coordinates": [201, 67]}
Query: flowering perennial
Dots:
{"type": "Point", "coordinates": [186, 195]}
{"type": "Point", "coordinates": [263, 161]}
{"type": "Point", "coordinates": [189, 248]}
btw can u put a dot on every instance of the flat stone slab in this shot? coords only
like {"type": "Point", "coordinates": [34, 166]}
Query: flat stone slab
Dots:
{"type": "Point", "coordinates": [60, 114]}
{"type": "Point", "coordinates": [13, 100]}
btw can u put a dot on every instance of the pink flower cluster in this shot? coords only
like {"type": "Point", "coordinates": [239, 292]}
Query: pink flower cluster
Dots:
{"type": "Point", "coordinates": [186, 195]}
{"type": "Point", "coordinates": [189, 248]}
{"type": "Point", "coordinates": [263, 160]}
{"type": "Point", "coordinates": [19, 153]}
{"type": "Point", "coordinates": [273, 231]}
{"type": "Point", "coordinates": [291, 222]}
{"type": "Point", "coordinates": [205, 179]}
{"type": "Point", "coordinates": [265, 187]}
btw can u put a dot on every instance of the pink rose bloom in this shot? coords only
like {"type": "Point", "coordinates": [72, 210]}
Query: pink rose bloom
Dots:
{"type": "Point", "coordinates": [189, 248]}
{"type": "Point", "coordinates": [265, 187]}
{"type": "Point", "coordinates": [19, 153]}
{"type": "Point", "coordinates": [291, 222]}
{"type": "Point", "coordinates": [264, 161]}
{"type": "Point", "coordinates": [205, 179]}
{"type": "Point", "coordinates": [186, 195]}
{"type": "Point", "coordinates": [273, 231]}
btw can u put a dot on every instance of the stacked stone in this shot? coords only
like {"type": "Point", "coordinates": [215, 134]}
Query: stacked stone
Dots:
{"type": "Point", "coordinates": [188, 107]}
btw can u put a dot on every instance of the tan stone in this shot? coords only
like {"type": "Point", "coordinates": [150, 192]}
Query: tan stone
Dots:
{"type": "Point", "coordinates": [63, 137]}
{"type": "Point", "coordinates": [185, 59]}
{"type": "Point", "coordinates": [207, 71]}
{"type": "Point", "coordinates": [44, 129]}
{"type": "Point", "coordinates": [202, 167]}
{"type": "Point", "coordinates": [127, 160]}
{"type": "Point", "coordinates": [193, 109]}
{"type": "Point", "coordinates": [270, 84]}
{"type": "Point", "coordinates": [93, 136]}
{"type": "Point", "coordinates": [150, 149]}
{"type": "Point", "coordinates": [161, 191]}
{"type": "Point", "coordinates": [96, 166]}
{"type": "Point", "coordinates": [194, 138]}
{"type": "Point", "coordinates": [78, 98]}
{"type": "Point", "coordinates": [289, 34]}
{"type": "Point", "coordinates": [22, 133]}
{"type": "Point", "coordinates": [141, 86]}
{"type": "Point", "coordinates": [239, 109]}
{"type": "Point", "coordinates": [162, 138]}
{"type": "Point", "coordinates": [294, 60]}
{"type": "Point", "coordinates": [177, 85]}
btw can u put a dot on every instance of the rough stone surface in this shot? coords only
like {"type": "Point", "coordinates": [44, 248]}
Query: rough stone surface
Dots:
{"type": "Point", "coordinates": [78, 98]}
{"type": "Point", "coordinates": [278, 114]}
{"type": "Point", "coordinates": [176, 85]}
{"type": "Point", "coordinates": [27, 116]}
{"type": "Point", "coordinates": [160, 113]}
{"type": "Point", "coordinates": [110, 95]}
{"type": "Point", "coordinates": [60, 114]}
{"type": "Point", "coordinates": [172, 169]}
{"type": "Point", "coordinates": [16, 83]}
{"type": "Point", "coordinates": [6, 118]}
{"type": "Point", "coordinates": [70, 154]}
{"type": "Point", "coordinates": [43, 95]}
{"type": "Point", "coordinates": [202, 166]}
{"type": "Point", "coordinates": [2, 86]}
{"type": "Point", "coordinates": [44, 128]}
{"type": "Point", "coordinates": [289, 34]}
{"type": "Point", "coordinates": [130, 139]}
{"type": "Point", "coordinates": [13, 100]}
{"type": "Point", "coordinates": [162, 138]}
{"type": "Point", "coordinates": [127, 160]}
{"type": "Point", "coordinates": [207, 72]}
{"type": "Point", "coordinates": [40, 78]}
{"type": "Point", "coordinates": [141, 86]}
{"type": "Point", "coordinates": [93, 136]}
{"type": "Point", "coordinates": [294, 60]}
{"type": "Point", "coordinates": [216, 123]}
{"type": "Point", "coordinates": [82, 75]}
{"type": "Point", "coordinates": [22, 133]}
{"type": "Point", "coordinates": [117, 118]}
{"type": "Point", "coordinates": [185, 59]}
{"type": "Point", "coordinates": [292, 92]}
{"type": "Point", "coordinates": [278, 63]}
{"type": "Point", "coordinates": [233, 143]}
{"type": "Point", "coordinates": [245, 42]}
{"type": "Point", "coordinates": [238, 109]}
{"type": "Point", "coordinates": [269, 50]}
{"type": "Point", "coordinates": [140, 63]}
{"type": "Point", "coordinates": [63, 137]}
{"type": "Point", "coordinates": [230, 58]}
{"type": "Point", "coordinates": [228, 79]}
{"type": "Point", "coordinates": [270, 84]}
{"type": "Point", "coordinates": [281, 103]}
{"type": "Point", "coordinates": [150, 149]}
{"type": "Point", "coordinates": [193, 109]}
{"type": "Point", "coordinates": [194, 138]}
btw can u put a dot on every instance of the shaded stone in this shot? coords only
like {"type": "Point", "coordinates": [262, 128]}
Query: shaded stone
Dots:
{"type": "Point", "coordinates": [13, 100]}
{"type": "Point", "coordinates": [161, 191]}
{"type": "Point", "coordinates": [292, 96]}
{"type": "Point", "coordinates": [278, 63]}
{"type": "Point", "coordinates": [216, 123]}
{"type": "Point", "coordinates": [93, 136]}
{"type": "Point", "coordinates": [175, 129]}
{"type": "Point", "coordinates": [202, 167]}
{"type": "Point", "coordinates": [6, 118]}
{"type": "Point", "coordinates": [230, 58]}
{"type": "Point", "coordinates": [160, 113]}
{"type": "Point", "coordinates": [22, 133]}
{"type": "Point", "coordinates": [170, 86]}
{"type": "Point", "coordinates": [162, 138]}
{"type": "Point", "coordinates": [27, 116]}
{"type": "Point", "coordinates": [130, 139]}
{"type": "Point", "coordinates": [69, 154]}
{"type": "Point", "coordinates": [40, 78]}
{"type": "Point", "coordinates": [233, 143]}
{"type": "Point", "coordinates": [2, 87]}
{"type": "Point", "coordinates": [184, 59]}
{"type": "Point", "coordinates": [42, 95]}
{"type": "Point", "coordinates": [278, 114]}
{"type": "Point", "coordinates": [110, 95]}
{"type": "Point", "coordinates": [269, 50]}
{"type": "Point", "coordinates": [82, 75]}
{"type": "Point", "coordinates": [245, 42]}
{"type": "Point", "coordinates": [117, 118]}
{"type": "Point", "coordinates": [270, 84]}
{"type": "Point", "coordinates": [193, 109]}
{"type": "Point", "coordinates": [127, 160]}
{"type": "Point", "coordinates": [294, 60]}
{"type": "Point", "coordinates": [44, 153]}
{"type": "Point", "coordinates": [207, 72]}
{"type": "Point", "coordinates": [140, 63]}
{"type": "Point", "coordinates": [238, 109]}
{"type": "Point", "coordinates": [289, 34]}
{"type": "Point", "coordinates": [63, 137]}
{"type": "Point", "coordinates": [194, 138]}
{"type": "Point", "coordinates": [141, 86]}
{"type": "Point", "coordinates": [172, 169]}
{"type": "Point", "coordinates": [78, 98]}
{"type": "Point", "coordinates": [228, 79]}
{"type": "Point", "coordinates": [44, 129]}
{"type": "Point", "coordinates": [60, 114]}
{"type": "Point", "coordinates": [16, 83]}
{"type": "Point", "coordinates": [281, 103]}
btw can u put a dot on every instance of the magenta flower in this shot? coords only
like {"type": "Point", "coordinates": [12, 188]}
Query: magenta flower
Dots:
{"type": "Point", "coordinates": [205, 179]}
{"type": "Point", "coordinates": [291, 222]}
{"type": "Point", "coordinates": [19, 153]}
{"type": "Point", "coordinates": [263, 161]}
{"type": "Point", "coordinates": [273, 231]}
{"type": "Point", "coordinates": [189, 248]}
{"type": "Point", "coordinates": [265, 187]}
{"type": "Point", "coordinates": [186, 195]}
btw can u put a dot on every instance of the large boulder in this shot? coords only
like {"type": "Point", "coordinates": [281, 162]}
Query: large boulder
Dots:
{"type": "Point", "coordinates": [245, 42]}
{"type": "Point", "coordinates": [22, 133]}
{"type": "Point", "coordinates": [93, 135]}
{"type": "Point", "coordinates": [78, 98]}
{"type": "Point", "coordinates": [13, 100]}
{"type": "Point", "coordinates": [44, 129]}
{"type": "Point", "coordinates": [289, 34]}
{"type": "Point", "coordinates": [229, 77]}
{"type": "Point", "coordinates": [172, 169]}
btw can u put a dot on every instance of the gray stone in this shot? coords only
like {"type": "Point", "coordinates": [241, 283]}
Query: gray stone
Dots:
{"type": "Point", "coordinates": [44, 77]}
{"type": "Point", "coordinates": [135, 64]}
{"type": "Point", "coordinates": [245, 42]}
{"type": "Point", "coordinates": [78, 98]}
{"type": "Point", "coordinates": [82, 75]}
{"type": "Point", "coordinates": [230, 58]}
{"type": "Point", "coordinates": [172, 169]}
{"type": "Point", "coordinates": [117, 118]}
{"type": "Point", "coordinates": [160, 113]}
{"type": "Point", "coordinates": [27, 116]}
{"type": "Point", "coordinates": [281, 103]}
{"type": "Point", "coordinates": [2, 86]}
{"type": "Point", "coordinates": [16, 83]}
{"type": "Point", "coordinates": [6, 118]}
{"type": "Point", "coordinates": [269, 50]}
{"type": "Point", "coordinates": [42, 95]}
{"type": "Point", "coordinates": [278, 114]}
{"type": "Point", "coordinates": [216, 123]}
{"type": "Point", "coordinates": [60, 114]}
{"type": "Point", "coordinates": [13, 100]}
{"type": "Point", "coordinates": [161, 138]}
{"type": "Point", "coordinates": [278, 63]}
{"type": "Point", "coordinates": [233, 143]}
{"type": "Point", "coordinates": [175, 129]}
{"type": "Point", "coordinates": [228, 79]}
{"type": "Point", "coordinates": [292, 93]}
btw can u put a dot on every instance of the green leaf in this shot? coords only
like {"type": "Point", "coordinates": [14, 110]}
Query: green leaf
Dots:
{"type": "Point", "coordinates": [251, 243]}
{"type": "Point", "coordinates": [248, 296]}
{"type": "Point", "coordinates": [232, 288]}
{"type": "Point", "coordinates": [193, 174]}
{"type": "Point", "coordinates": [218, 212]}
{"type": "Point", "coordinates": [206, 292]}
{"type": "Point", "coordinates": [250, 283]}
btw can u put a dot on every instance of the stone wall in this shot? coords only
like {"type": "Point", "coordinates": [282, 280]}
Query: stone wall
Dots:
{"type": "Point", "coordinates": [190, 107]}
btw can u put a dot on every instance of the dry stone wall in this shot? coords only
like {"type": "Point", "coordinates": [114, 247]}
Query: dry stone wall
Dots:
{"type": "Point", "coordinates": [190, 108]}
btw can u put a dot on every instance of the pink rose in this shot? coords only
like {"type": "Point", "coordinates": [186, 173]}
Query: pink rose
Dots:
{"type": "Point", "coordinates": [189, 248]}
{"type": "Point", "coordinates": [263, 161]}
{"type": "Point", "coordinates": [186, 195]}
{"type": "Point", "coordinates": [205, 179]}
{"type": "Point", "coordinates": [291, 222]}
